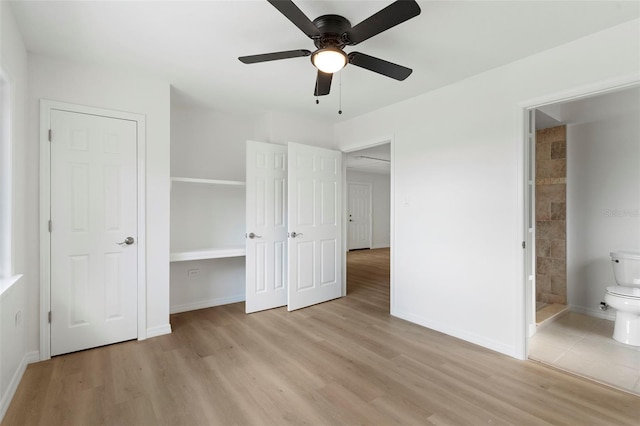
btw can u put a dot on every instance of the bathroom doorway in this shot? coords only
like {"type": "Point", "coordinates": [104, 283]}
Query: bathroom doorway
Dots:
{"type": "Point", "coordinates": [572, 202]}
{"type": "Point", "coordinates": [581, 216]}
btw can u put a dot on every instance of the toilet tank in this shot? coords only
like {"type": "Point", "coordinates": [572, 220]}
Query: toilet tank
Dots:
{"type": "Point", "coordinates": [626, 267]}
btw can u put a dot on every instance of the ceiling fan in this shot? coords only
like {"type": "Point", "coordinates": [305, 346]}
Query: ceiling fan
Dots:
{"type": "Point", "coordinates": [331, 33]}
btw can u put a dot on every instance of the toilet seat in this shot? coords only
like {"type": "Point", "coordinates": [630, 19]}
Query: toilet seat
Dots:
{"type": "Point", "coordinates": [628, 292]}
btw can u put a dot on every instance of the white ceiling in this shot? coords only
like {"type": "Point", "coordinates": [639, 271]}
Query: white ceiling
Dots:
{"type": "Point", "coordinates": [376, 159]}
{"type": "Point", "coordinates": [194, 45]}
{"type": "Point", "coordinates": [590, 109]}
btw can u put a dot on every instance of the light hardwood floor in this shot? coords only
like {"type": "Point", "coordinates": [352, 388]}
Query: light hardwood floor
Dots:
{"type": "Point", "coordinates": [342, 362]}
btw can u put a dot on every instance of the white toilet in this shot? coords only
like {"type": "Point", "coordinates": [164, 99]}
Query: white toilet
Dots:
{"type": "Point", "coordinates": [625, 297]}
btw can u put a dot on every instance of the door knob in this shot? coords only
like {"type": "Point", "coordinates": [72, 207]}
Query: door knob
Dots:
{"type": "Point", "coordinates": [295, 234]}
{"type": "Point", "coordinates": [127, 241]}
{"type": "Point", "coordinates": [251, 235]}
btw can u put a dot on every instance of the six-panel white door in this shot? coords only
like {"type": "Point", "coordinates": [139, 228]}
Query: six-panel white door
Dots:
{"type": "Point", "coordinates": [93, 211]}
{"type": "Point", "coordinates": [266, 261]}
{"type": "Point", "coordinates": [359, 225]}
{"type": "Point", "coordinates": [315, 223]}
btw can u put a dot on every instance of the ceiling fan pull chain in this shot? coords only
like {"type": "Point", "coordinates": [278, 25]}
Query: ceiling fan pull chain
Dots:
{"type": "Point", "coordinates": [340, 100]}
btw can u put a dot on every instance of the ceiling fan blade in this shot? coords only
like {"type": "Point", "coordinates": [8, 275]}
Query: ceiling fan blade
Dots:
{"type": "Point", "coordinates": [252, 59]}
{"type": "Point", "coordinates": [295, 15]}
{"type": "Point", "coordinates": [323, 84]}
{"type": "Point", "coordinates": [379, 65]}
{"type": "Point", "coordinates": [392, 15]}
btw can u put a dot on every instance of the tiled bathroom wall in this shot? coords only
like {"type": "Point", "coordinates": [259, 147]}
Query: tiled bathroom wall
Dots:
{"type": "Point", "coordinates": [551, 194]}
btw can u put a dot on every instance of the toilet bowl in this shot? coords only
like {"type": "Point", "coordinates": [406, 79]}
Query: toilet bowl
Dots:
{"type": "Point", "coordinates": [625, 297]}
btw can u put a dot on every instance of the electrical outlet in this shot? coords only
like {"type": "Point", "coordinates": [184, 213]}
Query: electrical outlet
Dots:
{"type": "Point", "coordinates": [192, 273]}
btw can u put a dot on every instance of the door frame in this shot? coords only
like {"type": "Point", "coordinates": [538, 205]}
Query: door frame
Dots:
{"type": "Point", "coordinates": [357, 146]}
{"type": "Point", "coordinates": [524, 297]}
{"type": "Point", "coordinates": [368, 184]}
{"type": "Point", "coordinates": [46, 106]}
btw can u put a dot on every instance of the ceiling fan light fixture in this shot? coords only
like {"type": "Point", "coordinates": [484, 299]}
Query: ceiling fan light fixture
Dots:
{"type": "Point", "coordinates": [329, 60]}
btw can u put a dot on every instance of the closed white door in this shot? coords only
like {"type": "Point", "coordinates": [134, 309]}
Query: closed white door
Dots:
{"type": "Point", "coordinates": [359, 215]}
{"type": "Point", "coordinates": [266, 217]}
{"type": "Point", "coordinates": [315, 221]}
{"type": "Point", "coordinates": [94, 231]}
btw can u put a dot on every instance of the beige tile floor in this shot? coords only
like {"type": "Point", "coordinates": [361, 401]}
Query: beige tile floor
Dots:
{"type": "Point", "coordinates": [583, 345]}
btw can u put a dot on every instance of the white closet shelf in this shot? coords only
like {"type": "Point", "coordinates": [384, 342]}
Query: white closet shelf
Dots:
{"type": "Point", "coordinates": [208, 181]}
{"type": "Point", "coordinates": [212, 253]}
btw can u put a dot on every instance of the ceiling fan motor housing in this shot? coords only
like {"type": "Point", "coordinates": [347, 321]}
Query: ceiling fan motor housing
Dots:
{"type": "Point", "coordinates": [332, 28]}
{"type": "Point", "coordinates": [331, 33]}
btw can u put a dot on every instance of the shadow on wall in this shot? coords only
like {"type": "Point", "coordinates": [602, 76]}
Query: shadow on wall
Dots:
{"type": "Point", "coordinates": [598, 270]}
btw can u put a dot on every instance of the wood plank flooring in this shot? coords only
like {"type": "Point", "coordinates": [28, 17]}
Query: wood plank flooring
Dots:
{"type": "Point", "coordinates": [342, 362]}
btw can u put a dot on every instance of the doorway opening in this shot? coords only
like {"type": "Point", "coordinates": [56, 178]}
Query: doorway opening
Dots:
{"type": "Point", "coordinates": [368, 232]}
{"type": "Point", "coordinates": [582, 198]}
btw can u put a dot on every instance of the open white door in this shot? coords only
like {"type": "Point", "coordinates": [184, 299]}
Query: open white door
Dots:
{"type": "Point", "coordinates": [315, 225]}
{"type": "Point", "coordinates": [529, 245]}
{"type": "Point", "coordinates": [266, 261]}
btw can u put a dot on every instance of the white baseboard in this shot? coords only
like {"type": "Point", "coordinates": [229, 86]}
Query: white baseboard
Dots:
{"type": "Point", "coordinates": [458, 333]}
{"type": "Point", "coordinates": [597, 313]}
{"type": "Point", "coordinates": [379, 246]}
{"type": "Point", "coordinates": [202, 304]}
{"type": "Point", "coordinates": [28, 358]}
{"type": "Point", "coordinates": [158, 330]}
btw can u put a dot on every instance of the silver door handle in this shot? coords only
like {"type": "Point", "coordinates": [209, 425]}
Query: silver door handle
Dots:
{"type": "Point", "coordinates": [295, 234]}
{"type": "Point", "coordinates": [251, 235]}
{"type": "Point", "coordinates": [127, 241]}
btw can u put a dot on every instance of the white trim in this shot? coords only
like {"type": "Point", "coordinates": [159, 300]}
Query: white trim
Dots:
{"type": "Point", "coordinates": [7, 283]}
{"type": "Point", "coordinates": [522, 333]}
{"type": "Point", "coordinates": [521, 329]}
{"type": "Point", "coordinates": [212, 253]}
{"type": "Point", "coordinates": [208, 181]}
{"type": "Point", "coordinates": [159, 330]}
{"type": "Point", "coordinates": [380, 246]}
{"type": "Point", "coordinates": [28, 358]}
{"type": "Point", "coordinates": [357, 146]}
{"type": "Point", "coordinates": [203, 304]}
{"type": "Point", "coordinates": [142, 224]}
{"type": "Point", "coordinates": [390, 139]}
{"type": "Point", "coordinates": [596, 313]}
{"type": "Point", "coordinates": [586, 91]}
{"type": "Point", "coordinates": [370, 186]}
{"type": "Point", "coordinates": [45, 238]}
{"type": "Point", "coordinates": [46, 106]}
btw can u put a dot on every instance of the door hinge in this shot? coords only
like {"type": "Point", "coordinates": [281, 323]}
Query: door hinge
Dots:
{"type": "Point", "coordinates": [49, 135]}
{"type": "Point", "coordinates": [49, 225]}
{"type": "Point", "coordinates": [49, 317]}
{"type": "Point", "coordinates": [524, 245]}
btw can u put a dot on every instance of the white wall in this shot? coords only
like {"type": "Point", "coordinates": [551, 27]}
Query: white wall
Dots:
{"type": "Point", "coordinates": [65, 81]}
{"type": "Point", "coordinates": [603, 203]}
{"type": "Point", "coordinates": [282, 128]}
{"type": "Point", "coordinates": [381, 205]}
{"type": "Point", "coordinates": [15, 318]}
{"type": "Point", "coordinates": [211, 144]}
{"type": "Point", "coordinates": [458, 178]}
